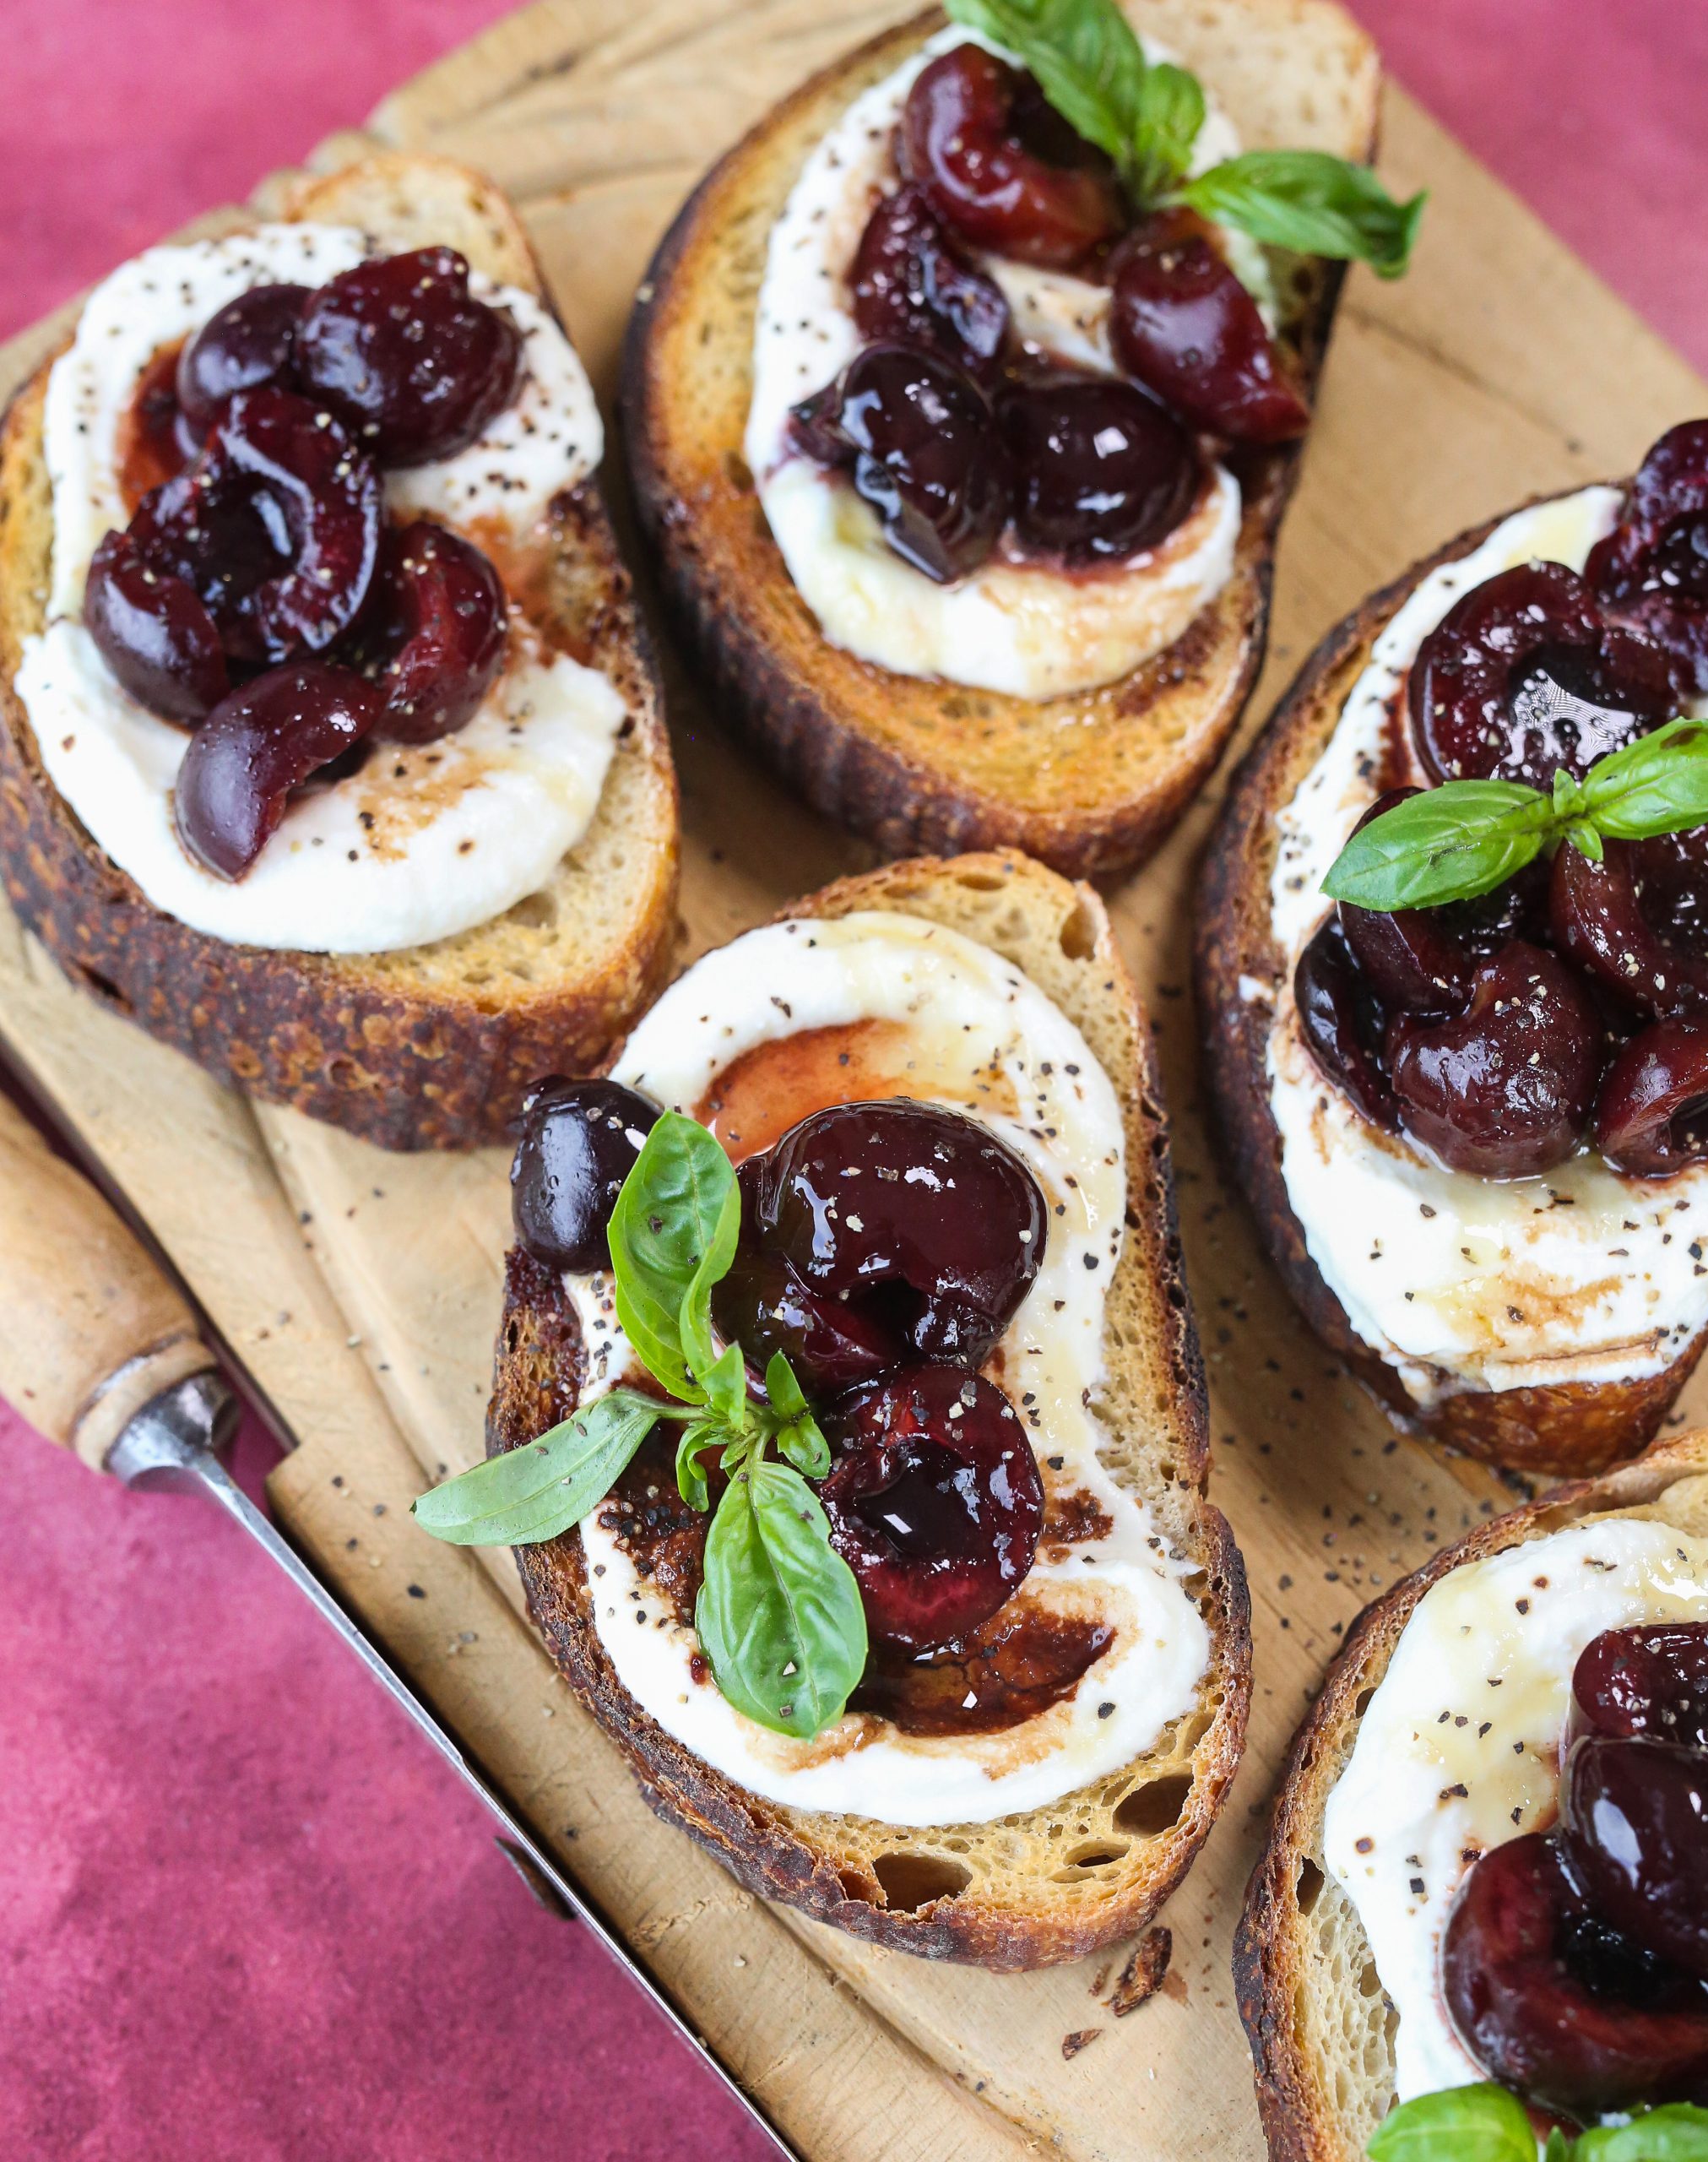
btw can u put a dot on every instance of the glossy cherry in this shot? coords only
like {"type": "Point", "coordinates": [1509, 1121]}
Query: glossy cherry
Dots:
{"type": "Point", "coordinates": [915, 1216]}
{"type": "Point", "coordinates": [933, 1499]}
{"type": "Point", "coordinates": [1601, 922]}
{"type": "Point", "coordinates": [920, 438]}
{"type": "Point", "coordinates": [1649, 1681]}
{"type": "Point", "coordinates": [155, 632]}
{"type": "Point", "coordinates": [914, 287]}
{"type": "Point", "coordinates": [250, 342]}
{"type": "Point", "coordinates": [579, 1143]}
{"type": "Point", "coordinates": [407, 357]}
{"type": "Point", "coordinates": [1634, 1830]}
{"type": "Point", "coordinates": [1651, 571]}
{"type": "Point", "coordinates": [1182, 323]}
{"type": "Point", "coordinates": [1341, 1022]}
{"type": "Point", "coordinates": [1553, 2004]}
{"type": "Point", "coordinates": [1413, 959]}
{"type": "Point", "coordinates": [1523, 675]}
{"type": "Point", "coordinates": [432, 634]}
{"type": "Point", "coordinates": [1652, 1116]}
{"type": "Point", "coordinates": [1099, 470]}
{"type": "Point", "coordinates": [276, 527]}
{"type": "Point", "coordinates": [260, 742]}
{"type": "Point", "coordinates": [1505, 1087]}
{"type": "Point", "coordinates": [1000, 166]}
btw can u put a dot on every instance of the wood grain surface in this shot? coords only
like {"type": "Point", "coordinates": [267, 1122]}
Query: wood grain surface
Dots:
{"type": "Point", "coordinates": [361, 1288]}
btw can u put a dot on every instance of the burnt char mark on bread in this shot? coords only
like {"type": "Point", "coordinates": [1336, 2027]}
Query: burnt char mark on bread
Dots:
{"type": "Point", "coordinates": [433, 1046]}
{"type": "Point", "coordinates": [1087, 783]}
{"type": "Point", "coordinates": [1012, 1897]}
{"type": "Point", "coordinates": [1573, 1429]}
{"type": "Point", "coordinates": [1318, 2025]}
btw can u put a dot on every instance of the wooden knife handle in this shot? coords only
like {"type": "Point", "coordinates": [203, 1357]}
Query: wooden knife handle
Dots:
{"type": "Point", "coordinates": [91, 1329]}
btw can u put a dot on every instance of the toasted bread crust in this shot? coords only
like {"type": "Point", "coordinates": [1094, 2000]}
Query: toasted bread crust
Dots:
{"type": "Point", "coordinates": [1572, 1430]}
{"type": "Point", "coordinates": [1301, 2118]}
{"type": "Point", "coordinates": [1089, 782]}
{"type": "Point", "coordinates": [371, 1043]}
{"type": "Point", "coordinates": [806, 1859]}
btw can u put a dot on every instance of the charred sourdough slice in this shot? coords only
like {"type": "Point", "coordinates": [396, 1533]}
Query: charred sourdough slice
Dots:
{"type": "Point", "coordinates": [1089, 782]}
{"type": "Point", "coordinates": [1572, 1428]}
{"type": "Point", "coordinates": [1060, 1881]}
{"type": "Point", "coordinates": [430, 1047]}
{"type": "Point", "coordinates": [1314, 2010]}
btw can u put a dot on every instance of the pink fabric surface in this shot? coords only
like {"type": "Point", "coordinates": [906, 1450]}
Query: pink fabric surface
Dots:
{"type": "Point", "coordinates": [243, 1911]}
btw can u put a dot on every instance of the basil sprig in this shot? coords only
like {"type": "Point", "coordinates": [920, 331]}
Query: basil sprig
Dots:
{"type": "Point", "coordinates": [1467, 836]}
{"type": "Point", "coordinates": [1487, 2124]}
{"type": "Point", "coordinates": [1146, 115]}
{"type": "Point", "coordinates": [779, 1614]}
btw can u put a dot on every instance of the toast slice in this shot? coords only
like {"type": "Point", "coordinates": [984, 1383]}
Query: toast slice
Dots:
{"type": "Point", "coordinates": [1060, 1881]}
{"type": "Point", "coordinates": [1090, 782]}
{"type": "Point", "coordinates": [426, 1047]}
{"type": "Point", "coordinates": [1572, 1428]}
{"type": "Point", "coordinates": [1315, 2016]}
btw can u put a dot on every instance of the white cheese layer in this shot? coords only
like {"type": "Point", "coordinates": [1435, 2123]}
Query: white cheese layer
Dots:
{"type": "Point", "coordinates": [421, 843]}
{"type": "Point", "coordinates": [1011, 627]}
{"type": "Point", "coordinates": [1459, 1749]}
{"type": "Point", "coordinates": [1462, 1282]}
{"type": "Point", "coordinates": [962, 1007]}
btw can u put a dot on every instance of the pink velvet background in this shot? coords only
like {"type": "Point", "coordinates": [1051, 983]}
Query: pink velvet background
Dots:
{"type": "Point", "coordinates": [243, 1912]}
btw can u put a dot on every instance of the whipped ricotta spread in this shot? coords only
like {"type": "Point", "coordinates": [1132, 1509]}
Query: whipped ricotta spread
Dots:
{"type": "Point", "coordinates": [1459, 1749]}
{"type": "Point", "coordinates": [981, 1038]}
{"type": "Point", "coordinates": [1460, 1282]}
{"type": "Point", "coordinates": [1011, 625]}
{"type": "Point", "coordinates": [423, 842]}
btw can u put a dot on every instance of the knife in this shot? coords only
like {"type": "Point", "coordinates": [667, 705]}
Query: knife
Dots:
{"type": "Point", "coordinates": [102, 1351]}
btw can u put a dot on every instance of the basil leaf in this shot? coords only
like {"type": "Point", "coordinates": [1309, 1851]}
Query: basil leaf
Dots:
{"type": "Point", "coordinates": [779, 1614]}
{"type": "Point", "coordinates": [1658, 784]}
{"type": "Point", "coordinates": [799, 1436]}
{"type": "Point", "coordinates": [726, 1387]}
{"type": "Point", "coordinates": [1311, 202]}
{"type": "Point", "coordinates": [539, 1490]}
{"type": "Point", "coordinates": [698, 1442]}
{"type": "Point", "coordinates": [1558, 2148]}
{"type": "Point", "coordinates": [1449, 844]}
{"type": "Point", "coordinates": [679, 1210]}
{"type": "Point", "coordinates": [1461, 2124]}
{"type": "Point", "coordinates": [1677, 2133]}
{"type": "Point", "coordinates": [1088, 62]}
{"type": "Point", "coordinates": [1171, 113]}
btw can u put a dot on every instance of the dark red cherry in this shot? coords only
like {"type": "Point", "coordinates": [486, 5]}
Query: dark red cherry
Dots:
{"type": "Point", "coordinates": [1523, 675]}
{"type": "Point", "coordinates": [154, 632]}
{"type": "Point", "coordinates": [1182, 323]}
{"type": "Point", "coordinates": [1634, 1830]}
{"type": "Point", "coordinates": [919, 436]}
{"type": "Point", "coordinates": [916, 1216]}
{"type": "Point", "coordinates": [1099, 470]}
{"type": "Point", "coordinates": [1601, 922]}
{"type": "Point", "coordinates": [407, 357]}
{"type": "Point", "coordinates": [579, 1143]}
{"type": "Point", "coordinates": [1505, 1087]}
{"type": "Point", "coordinates": [832, 1344]}
{"type": "Point", "coordinates": [259, 742]}
{"type": "Point", "coordinates": [1651, 571]}
{"type": "Point", "coordinates": [914, 287]}
{"type": "Point", "coordinates": [933, 1499]}
{"type": "Point", "coordinates": [251, 342]}
{"type": "Point", "coordinates": [1000, 165]}
{"type": "Point", "coordinates": [1652, 1116]}
{"type": "Point", "coordinates": [1411, 959]}
{"type": "Point", "coordinates": [432, 634]}
{"type": "Point", "coordinates": [1342, 1022]}
{"type": "Point", "coordinates": [1553, 2004]}
{"type": "Point", "coordinates": [1672, 870]}
{"type": "Point", "coordinates": [276, 526]}
{"type": "Point", "coordinates": [1649, 1681]}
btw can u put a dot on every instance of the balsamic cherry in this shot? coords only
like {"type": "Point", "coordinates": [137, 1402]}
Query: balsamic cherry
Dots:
{"type": "Point", "coordinates": [154, 631]}
{"type": "Point", "coordinates": [579, 1143]}
{"type": "Point", "coordinates": [250, 342]}
{"type": "Point", "coordinates": [1413, 959]}
{"type": "Point", "coordinates": [1342, 1022]}
{"type": "Point", "coordinates": [1099, 470]}
{"type": "Point", "coordinates": [1634, 1830]}
{"type": "Point", "coordinates": [1600, 920]}
{"type": "Point", "coordinates": [914, 287]}
{"type": "Point", "coordinates": [1648, 1681]}
{"type": "Point", "coordinates": [432, 634]}
{"type": "Point", "coordinates": [1651, 571]}
{"type": "Point", "coordinates": [1652, 1116]}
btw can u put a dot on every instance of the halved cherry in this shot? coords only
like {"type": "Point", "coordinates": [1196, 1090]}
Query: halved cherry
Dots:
{"type": "Point", "coordinates": [1557, 2006]}
{"type": "Point", "coordinates": [154, 632]}
{"type": "Point", "coordinates": [1099, 470]}
{"type": "Point", "coordinates": [1000, 165]}
{"type": "Point", "coordinates": [258, 744]}
{"type": "Point", "coordinates": [1651, 571]}
{"type": "Point", "coordinates": [407, 357]}
{"type": "Point", "coordinates": [933, 1499]}
{"type": "Point", "coordinates": [250, 342]}
{"type": "Point", "coordinates": [1182, 323]}
{"type": "Point", "coordinates": [432, 634]}
{"type": "Point", "coordinates": [1601, 922]}
{"type": "Point", "coordinates": [1652, 1116]}
{"type": "Point", "coordinates": [1649, 1680]}
{"type": "Point", "coordinates": [1342, 1022]}
{"type": "Point", "coordinates": [1412, 959]}
{"type": "Point", "coordinates": [914, 287]}
{"type": "Point", "coordinates": [1633, 1828]}
{"type": "Point", "coordinates": [579, 1143]}
{"type": "Point", "coordinates": [1524, 674]}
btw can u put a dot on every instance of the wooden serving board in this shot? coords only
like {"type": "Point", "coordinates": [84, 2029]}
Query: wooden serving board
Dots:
{"type": "Point", "coordinates": [361, 1289]}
